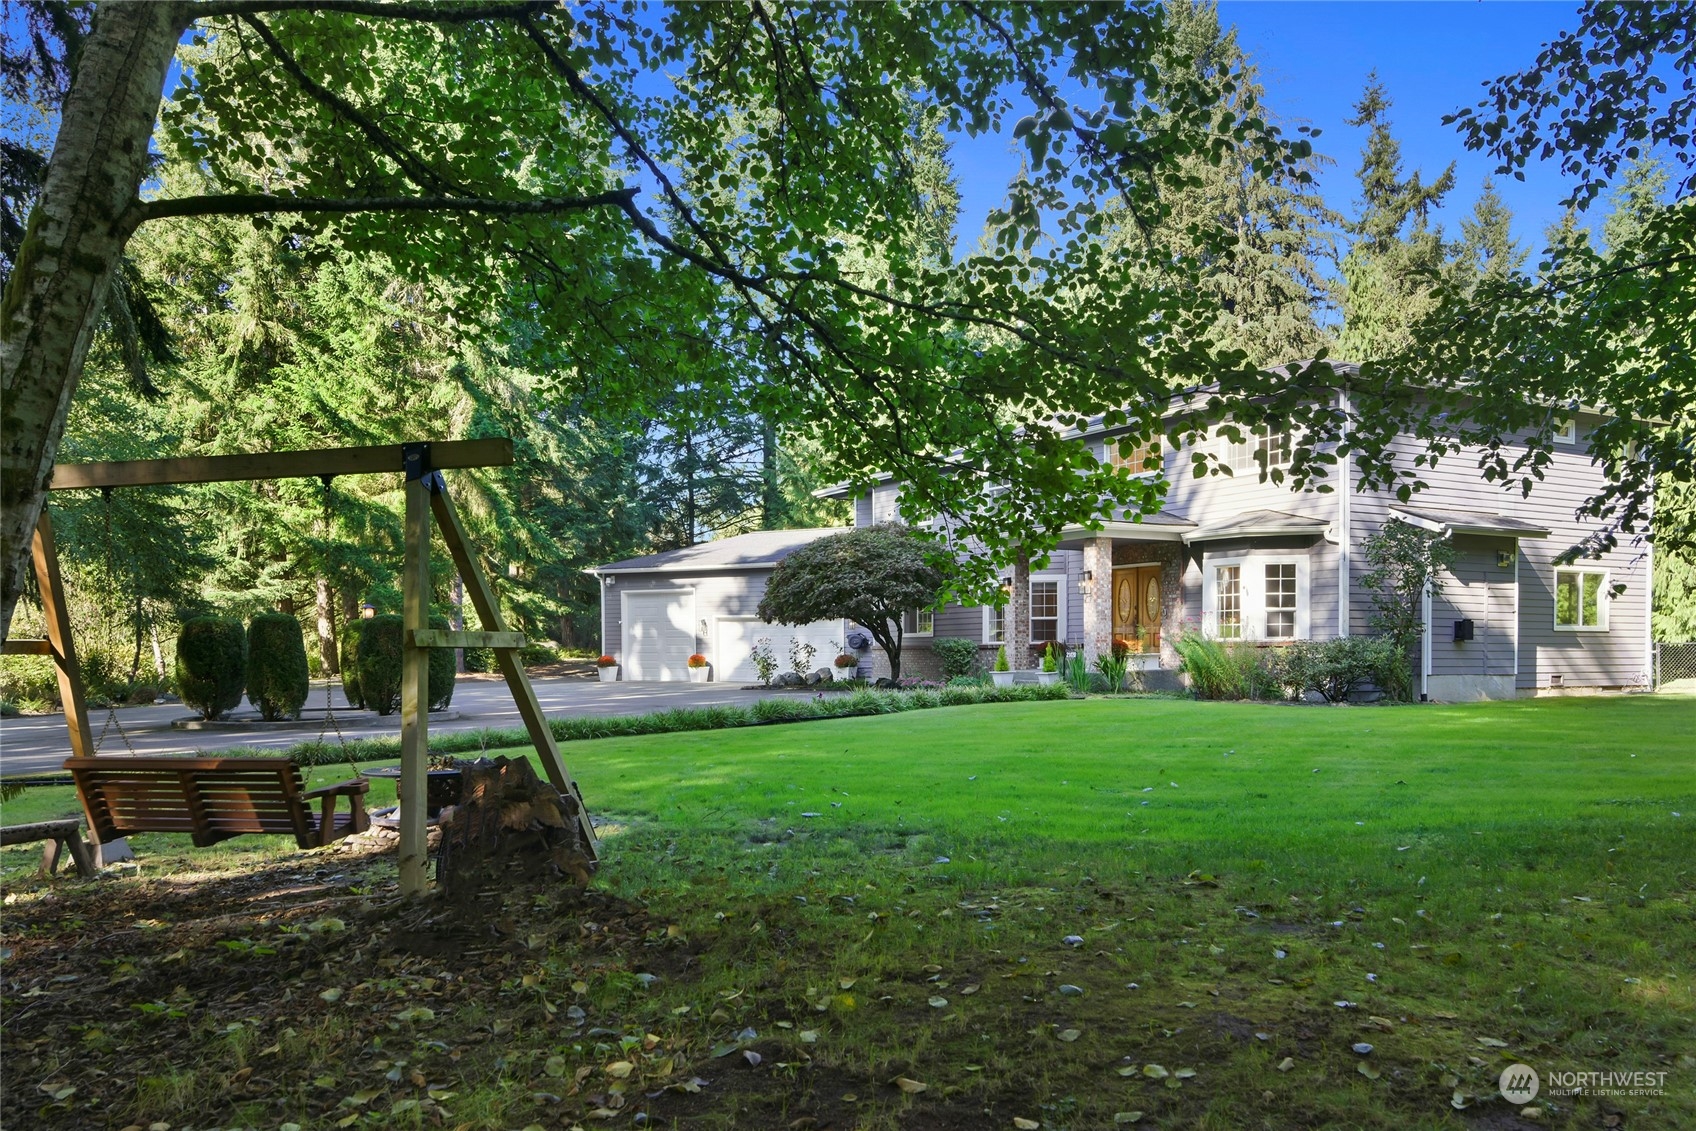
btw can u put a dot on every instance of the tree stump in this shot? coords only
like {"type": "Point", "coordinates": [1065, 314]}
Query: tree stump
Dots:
{"type": "Point", "coordinates": [509, 828]}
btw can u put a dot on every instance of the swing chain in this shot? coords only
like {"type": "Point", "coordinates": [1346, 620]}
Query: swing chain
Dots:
{"type": "Point", "coordinates": [330, 720]}
{"type": "Point", "coordinates": [111, 588]}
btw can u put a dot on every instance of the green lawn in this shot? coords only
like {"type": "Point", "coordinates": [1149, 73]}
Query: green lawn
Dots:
{"type": "Point", "coordinates": [1072, 912]}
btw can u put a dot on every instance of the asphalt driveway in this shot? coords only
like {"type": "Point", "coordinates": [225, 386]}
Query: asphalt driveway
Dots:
{"type": "Point", "coordinates": [38, 743]}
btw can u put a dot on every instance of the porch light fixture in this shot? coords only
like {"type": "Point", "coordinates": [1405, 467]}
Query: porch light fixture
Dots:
{"type": "Point", "coordinates": [367, 611]}
{"type": "Point", "coordinates": [1087, 582]}
{"type": "Point", "coordinates": [1504, 559]}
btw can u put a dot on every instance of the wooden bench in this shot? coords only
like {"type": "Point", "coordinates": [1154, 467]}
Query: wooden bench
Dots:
{"type": "Point", "coordinates": [213, 799]}
{"type": "Point", "coordinates": [61, 836]}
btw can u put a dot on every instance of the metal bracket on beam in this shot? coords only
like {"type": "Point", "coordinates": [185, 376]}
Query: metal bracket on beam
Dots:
{"type": "Point", "coordinates": [415, 460]}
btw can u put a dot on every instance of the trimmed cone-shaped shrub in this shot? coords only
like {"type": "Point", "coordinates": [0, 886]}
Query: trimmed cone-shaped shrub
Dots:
{"type": "Point", "coordinates": [441, 670]}
{"type": "Point", "coordinates": [277, 675]}
{"type": "Point", "coordinates": [212, 665]}
{"type": "Point", "coordinates": [350, 662]}
{"type": "Point", "coordinates": [378, 663]}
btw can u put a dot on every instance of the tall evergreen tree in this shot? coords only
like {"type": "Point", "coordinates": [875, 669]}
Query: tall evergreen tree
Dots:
{"type": "Point", "coordinates": [1264, 274]}
{"type": "Point", "coordinates": [1487, 248]}
{"type": "Point", "coordinates": [1391, 271]}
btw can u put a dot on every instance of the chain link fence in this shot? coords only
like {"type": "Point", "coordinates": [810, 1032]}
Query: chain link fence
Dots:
{"type": "Point", "coordinates": [1674, 662]}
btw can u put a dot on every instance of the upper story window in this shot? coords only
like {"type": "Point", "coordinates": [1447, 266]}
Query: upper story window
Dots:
{"type": "Point", "coordinates": [1566, 432]}
{"type": "Point", "coordinates": [1581, 599]}
{"type": "Point", "coordinates": [1240, 456]}
{"type": "Point", "coordinates": [1048, 607]}
{"type": "Point", "coordinates": [1140, 459]}
{"type": "Point", "coordinates": [919, 622]}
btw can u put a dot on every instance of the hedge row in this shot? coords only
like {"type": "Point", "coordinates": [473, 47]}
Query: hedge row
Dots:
{"type": "Point", "coordinates": [774, 710]}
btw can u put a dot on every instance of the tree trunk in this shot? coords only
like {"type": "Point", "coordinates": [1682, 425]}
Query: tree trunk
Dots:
{"type": "Point", "coordinates": [771, 497]}
{"type": "Point", "coordinates": [76, 234]}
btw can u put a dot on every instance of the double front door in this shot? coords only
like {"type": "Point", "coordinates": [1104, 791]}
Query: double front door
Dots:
{"type": "Point", "coordinates": [1137, 602]}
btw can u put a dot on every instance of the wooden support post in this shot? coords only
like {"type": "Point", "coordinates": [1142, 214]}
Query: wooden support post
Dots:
{"type": "Point", "coordinates": [59, 638]}
{"type": "Point", "coordinates": [489, 612]}
{"type": "Point", "coordinates": [415, 691]}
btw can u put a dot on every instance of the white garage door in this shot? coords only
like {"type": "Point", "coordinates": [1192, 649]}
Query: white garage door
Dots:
{"type": "Point", "coordinates": [659, 635]}
{"type": "Point", "coordinates": [734, 662]}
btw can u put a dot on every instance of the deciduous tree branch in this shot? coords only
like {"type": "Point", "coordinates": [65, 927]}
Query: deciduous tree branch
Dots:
{"type": "Point", "coordinates": [241, 204]}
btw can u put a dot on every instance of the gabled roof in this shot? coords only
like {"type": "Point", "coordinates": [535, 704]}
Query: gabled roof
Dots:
{"type": "Point", "coordinates": [762, 548]}
{"type": "Point", "coordinates": [1260, 524]}
{"type": "Point", "coordinates": [1443, 521]}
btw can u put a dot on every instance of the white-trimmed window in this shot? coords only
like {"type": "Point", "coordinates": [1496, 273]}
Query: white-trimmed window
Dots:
{"type": "Point", "coordinates": [1566, 432]}
{"type": "Point", "coordinates": [1281, 601]}
{"type": "Point", "coordinates": [1240, 455]}
{"type": "Point", "coordinates": [1142, 459]}
{"type": "Point", "coordinates": [919, 622]}
{"type": "Point", "coordinates": [1256, 598]}
{"type": "Point", "coordinates": [1228, 590]}
{"type": "Point", "coordinates": [1048, 607]}
{"type": "Point", "coordinates": [994, 624]}
{"type": "Point", "coordinates": [1581, 599]}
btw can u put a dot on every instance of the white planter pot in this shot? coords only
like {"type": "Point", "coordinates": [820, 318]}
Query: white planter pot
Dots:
{"type": "Point", "coordinates": [698, 675]}
{"type": "Point", "coordinates": [844, 673]}
{"type": "Point", "coordinates": [609, 674]}
{"type": "Point", "coordinates": [1002, 679]}
{"type": "Point", "coordinates": [1046, 678]}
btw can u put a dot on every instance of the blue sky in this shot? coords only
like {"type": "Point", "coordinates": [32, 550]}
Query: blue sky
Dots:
{"type": "Point", "coordinates": [1432, 58]}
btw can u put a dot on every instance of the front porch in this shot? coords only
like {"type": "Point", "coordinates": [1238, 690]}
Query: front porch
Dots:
{"type": "Point", "coordinates": [1131, 590]}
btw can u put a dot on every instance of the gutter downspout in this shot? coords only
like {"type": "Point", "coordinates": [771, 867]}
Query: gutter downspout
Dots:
{"type": "Point", "coordinates": [1649, 599]}
{"type": "Point", "coordinates": [1345, 564]}
{"type": "Point", "coordinates": [1425, 650]}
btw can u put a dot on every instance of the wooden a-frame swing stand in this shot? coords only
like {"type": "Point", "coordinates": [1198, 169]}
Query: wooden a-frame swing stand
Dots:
{"type": "Point", "coordinates": [426, 497]}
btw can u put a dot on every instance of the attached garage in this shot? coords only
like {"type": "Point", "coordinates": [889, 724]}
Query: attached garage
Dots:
{"type": "Point", "coordinates": [659, 634]}
{"type": "Point", "coordinates": [659, 609]}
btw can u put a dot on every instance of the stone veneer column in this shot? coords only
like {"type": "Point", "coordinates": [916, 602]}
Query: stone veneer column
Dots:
{"type": "Point", "coordinates": [1018, 622]}
{"type": "Point", "coordinates": [1098, 599]}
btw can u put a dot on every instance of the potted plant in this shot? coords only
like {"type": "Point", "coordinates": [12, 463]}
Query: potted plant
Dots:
{"type": "Point", "coordinates": [847, 665]}
{"type": "Point", "coordinates": [1003, 673]}
{"type": "Point", "coordinates": [1050, 672]}
{"type": "Point", "coordinates": [609, 669]}
{"type": "Point", "coordinates": [697, 668]}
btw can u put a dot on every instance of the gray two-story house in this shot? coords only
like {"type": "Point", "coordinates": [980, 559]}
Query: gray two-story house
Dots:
{"type": "Point", "coordinates": [1239, 557]}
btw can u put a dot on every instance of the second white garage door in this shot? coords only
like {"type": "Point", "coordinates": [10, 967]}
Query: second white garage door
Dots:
{"type": "Point", "coordinates": [734, 662]}
{"type": "Point", "coordinates": [659, 635]}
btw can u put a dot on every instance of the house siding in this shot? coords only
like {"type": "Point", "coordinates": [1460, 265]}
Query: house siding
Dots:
{"type": "Point", "coordinates": [1616, 657]}
{"type": "Point", "coordinates": [1516, 645]}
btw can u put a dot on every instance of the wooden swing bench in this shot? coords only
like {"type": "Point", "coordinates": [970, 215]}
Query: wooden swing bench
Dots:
{"type": "Point", "coordinates": [213, 799]}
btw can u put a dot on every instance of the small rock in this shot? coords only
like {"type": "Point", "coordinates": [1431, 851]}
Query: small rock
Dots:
{"type": "Point", "coordinates": [1363, 1048]}
{"type": "Point", "coordinates": [1072, 991]}
{"type": "Point", "coordinates": [1073, 940]}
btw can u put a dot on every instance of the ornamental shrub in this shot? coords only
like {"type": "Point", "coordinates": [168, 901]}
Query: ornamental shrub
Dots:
{"type": "Point", "coordinates": [350, 662]}
{"type": "Point", "coordinates": [957, 655]}
{"type": "Point", "coordinates": [1001, 659]}
{"type": "Point", "coordinates": [277, 679]}
{"type": "Point", "coordinates": [378, 663]}
{"type": "Point", "coordinates": [441, 670]}
{"type": "Point", "coordinates": [212, 665]}
{"type": "Point", "coordinates": [1337, 668]}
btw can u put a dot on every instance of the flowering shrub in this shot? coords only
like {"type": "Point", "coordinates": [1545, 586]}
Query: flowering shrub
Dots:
{"type": "Point", "coordinates": [606, 662]}
{"type": "Point", "coordinates": [697, 661]}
